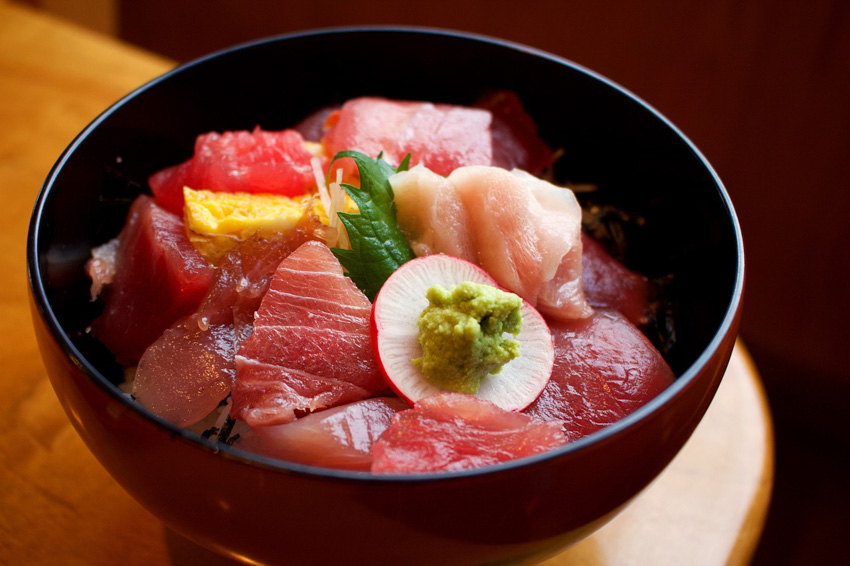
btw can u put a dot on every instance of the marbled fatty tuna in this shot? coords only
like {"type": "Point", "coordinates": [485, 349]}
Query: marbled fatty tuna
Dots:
{"type": "Point", "coordinates": [310, 348]}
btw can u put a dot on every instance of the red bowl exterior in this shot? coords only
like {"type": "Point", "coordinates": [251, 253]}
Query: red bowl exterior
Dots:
{"type": "Point", "coordinates": [257, 509]}
{"type": "Point", "coordinates": [278, 516]}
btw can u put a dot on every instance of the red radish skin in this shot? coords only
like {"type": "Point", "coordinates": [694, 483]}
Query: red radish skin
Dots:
{"type": "Point", "coordinates": [395, 335]}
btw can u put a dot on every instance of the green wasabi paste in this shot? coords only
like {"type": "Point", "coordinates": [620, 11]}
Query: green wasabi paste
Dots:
{"type": "Point", "coordinates": [461, 333]}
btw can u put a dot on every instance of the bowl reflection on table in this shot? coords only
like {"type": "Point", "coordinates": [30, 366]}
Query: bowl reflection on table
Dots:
{"type": "Point", "coordinates": [275, 512]}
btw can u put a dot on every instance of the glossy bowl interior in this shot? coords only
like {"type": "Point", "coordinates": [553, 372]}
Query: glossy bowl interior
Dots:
{"type": "Point", "coordinates": [273, 512]}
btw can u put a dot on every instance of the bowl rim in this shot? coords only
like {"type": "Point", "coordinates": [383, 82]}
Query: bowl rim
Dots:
{"type": "Point", "coordinates": [46, 312]}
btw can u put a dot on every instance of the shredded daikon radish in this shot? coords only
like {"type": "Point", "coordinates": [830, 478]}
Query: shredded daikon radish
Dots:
{"type": "Point", "coordinates": [338, 197]}
{"type": "Point", "coordinates": [316, 164]}
{"type": "Point", "coordinates": [333, 199]}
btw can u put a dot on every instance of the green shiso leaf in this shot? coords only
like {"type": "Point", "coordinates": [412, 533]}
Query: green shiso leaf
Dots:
{"type": "Point", "coordinates": [378, 246]}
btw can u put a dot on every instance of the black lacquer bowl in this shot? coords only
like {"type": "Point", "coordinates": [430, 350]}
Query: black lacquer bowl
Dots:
{"type": "Point", "coordinates": [274, 512]}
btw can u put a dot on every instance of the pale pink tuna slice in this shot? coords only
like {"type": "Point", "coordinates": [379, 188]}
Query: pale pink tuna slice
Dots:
{"type": "Point", "coordinates": [187, 372]}
{"type": "Point", "coordinates": [525, 232]}
{"type": "Point", "coordinates": [340, 437]}
{"type": "Point", "coordinates": [310, 348]}
{"type": "Point", "coordinates": [527, 236]}
{"type": "Point", "coordinates": [443, 137]}
{"type": "Point", "coordinates": [431, 214]}
{"type": "Point", "coordinates": [452, 431]}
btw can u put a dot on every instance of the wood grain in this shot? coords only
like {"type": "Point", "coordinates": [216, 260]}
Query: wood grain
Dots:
{"type": "Point", "coordinates": [58, 505]}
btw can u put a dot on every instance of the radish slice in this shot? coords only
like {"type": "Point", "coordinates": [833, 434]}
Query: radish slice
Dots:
{"type": "Point", "coordinates": [395, 335]}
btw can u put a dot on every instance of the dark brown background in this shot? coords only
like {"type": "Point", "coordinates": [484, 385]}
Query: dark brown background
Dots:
{"type": "Point", "coordinates": [762, 88]}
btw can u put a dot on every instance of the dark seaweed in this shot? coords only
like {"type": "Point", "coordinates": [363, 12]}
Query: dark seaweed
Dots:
{"type": "Point", "coordinates": [222, 434]}
{"type": "Point", "coordinates": [615, 228]}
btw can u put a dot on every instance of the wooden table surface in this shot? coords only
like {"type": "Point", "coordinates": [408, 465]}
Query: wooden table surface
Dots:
{"type": "Point", "coordinates": [57, 505]}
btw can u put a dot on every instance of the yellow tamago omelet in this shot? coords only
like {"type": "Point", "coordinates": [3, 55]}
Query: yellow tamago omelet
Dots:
{"type": "Point", "coordinates": [218, 221]}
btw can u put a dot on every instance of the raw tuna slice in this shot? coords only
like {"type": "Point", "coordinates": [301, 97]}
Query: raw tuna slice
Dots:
{"type": "Point", "coordinates": [240, 161]}
{"type": "Point", "coordinates": [310, 348]}
{"type": "Point", "coordinates": [604, 370]}
{"type": "Point", "coordinates": [186, 373]}
{"type": "Point", "coordinates": [158, 278]}
{"type": "Point", "coordinates": [525, 232]}
{"type": "Point", "coordinates": [340, 437]}
{"type": "Point", "coordinates": [610, 284]}
{"type": "Point", "coordinates": [440, 136]}
{"type": "Point", "coordinates": [243, 278]}
{"type": "Point", "coordinates": [188, 370]}
{"type": "Point", "coordinates": [516, 143]}
{"type": "Point", "coordinates": [452, 431]}
{"type": "Point", "coordinates": [431, 214]}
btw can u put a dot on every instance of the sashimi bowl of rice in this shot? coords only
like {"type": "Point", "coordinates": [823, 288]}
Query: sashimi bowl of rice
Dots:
{"type": "Point", "coordinates": [384, 295]}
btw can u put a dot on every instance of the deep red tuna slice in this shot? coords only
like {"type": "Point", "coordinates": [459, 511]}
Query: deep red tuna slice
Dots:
{"type": "Point", "coordinates": [516, 142]}
{"type": "Point", "coordinates": [452, 431]}
{"type": "Point", "coordinates": [610, 284]}
{"type": "Point", "coordinates": [441, 137]}
{"type": "Point", "coordinates": [604, 370]}
{"type": "Point", "coordinates": [188, 370]}
{"type": "Point", "coordinates": [251, 162]}
{"type": "Point", "coordinates": [159, 278]}
{"type": "Point", "coordinates": [310, 347]}
{"type": "Point", "coordinates": [340, 437]}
